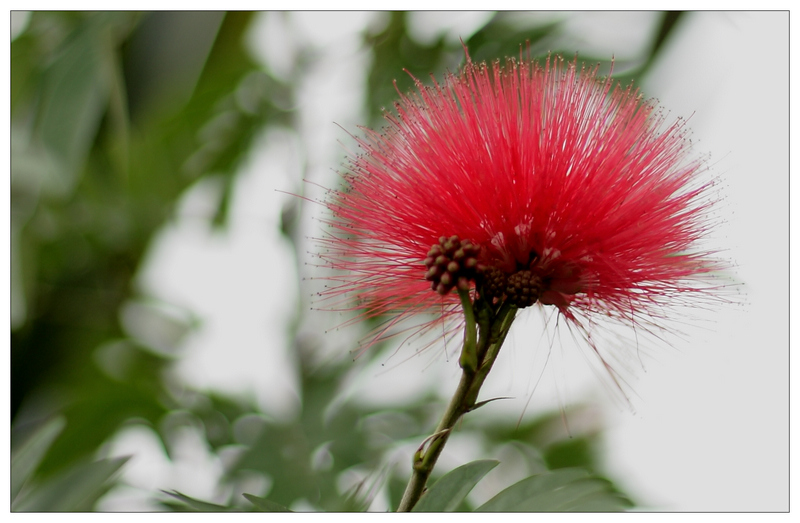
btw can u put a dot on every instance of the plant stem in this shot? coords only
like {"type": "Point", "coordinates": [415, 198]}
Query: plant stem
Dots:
{"type": "Point", "coordinates": [493, 330]}
{"type": "Point", "coordinates": [469, 355]}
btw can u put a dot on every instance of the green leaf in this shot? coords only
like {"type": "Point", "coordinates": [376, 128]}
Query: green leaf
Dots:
{"type": "Point", "coordinates": [448, 493]}
{"type": "Point", "coordinates": [575, 497]}
{"type": "Point", "coordinates": [670, 20]}
{"type": "Point", "coordinates": [74, 490]}
{"type": "Point", "coordinates": [563, 490]}
{"type": "Point", "coordinates": [503, 35]}
{"type": "Point", "coordinates": [600, 502]}
{"type": "Point", "coordinates": [265, 505]}
{"type": "Point", "coordinates": [74, 97]}
{"type": "Point", "coordinates": [196, 504]}
{"type": "Point", "coordinates": [509, 499]}
{"type": "Point", "coordinates": [27, 457]}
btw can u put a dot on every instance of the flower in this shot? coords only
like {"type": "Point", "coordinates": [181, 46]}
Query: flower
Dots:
{"type": "Point", "coordinates": [524, 183]}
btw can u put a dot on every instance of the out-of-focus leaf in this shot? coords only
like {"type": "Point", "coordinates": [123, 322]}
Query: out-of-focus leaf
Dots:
{"type": "Point", "coordinates": [589, 495]}
{"type": "Point", "coordinates": [570, 490]}
{"type": "Point", "coordinates": [81, 254]}
{"type": "Point", "coordinates": [447, 494]}
{"type": "Point", "coordinates": [669, 22]}
{"type": "Point", "coordinates": [197, 505]}
{"type": "Point", "coordinates": [287, 450]}
{"type": "Point", "coordinates": [564, 439]}
{"type": "Point", "coordinates": [29, 454]}
{"type": "Point", "coordinates": [73, 490]}
{"type": "Point", "coordinates": [357, 498]}
{"type": "Point", "coordinates": [504, 35]}
{"type": "Point", "coordinates": [103, 404]}
{"type": "Point", "coordinates": [75, 94]}
{"type": "Point", "coordinates": [265, 505]}
{"type": "Point", "coordinates": [165, 57]}
{"type": "Point", "coordinates": [157, 326]}
{"type": "Point", "coordinates": [393, 53]}
{"type": "Point", "coordinates": [573, 496]}
{"type": "Point", "coordinates": [575, 452]}
{"type": "Point", "coordinates": [520, 492]}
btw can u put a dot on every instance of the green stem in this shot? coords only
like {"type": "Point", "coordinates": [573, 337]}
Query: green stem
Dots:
{"type": "Point", "coordinates": [469, 355]}
{"type": "Point", "coordinates": [493, 331]}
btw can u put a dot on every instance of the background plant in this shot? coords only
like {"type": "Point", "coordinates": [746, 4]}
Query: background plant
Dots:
{"type": "Point", "coordinates": [115, 117]}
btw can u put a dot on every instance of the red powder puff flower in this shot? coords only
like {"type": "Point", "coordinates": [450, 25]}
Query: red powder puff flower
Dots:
{"type": "Point", "coordinates": [524, 184]}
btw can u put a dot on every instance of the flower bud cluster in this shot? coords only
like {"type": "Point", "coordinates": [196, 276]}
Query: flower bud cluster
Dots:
{"type": "Point", "coordinates": [523, 288]}
{"type": "Point", "coordinates": [452, 264]}
{"type": "Point", "coordinates": [493, 283]}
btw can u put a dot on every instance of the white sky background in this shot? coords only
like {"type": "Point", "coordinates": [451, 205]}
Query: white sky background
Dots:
{"type": "Point", "coordinates": [710, 427]}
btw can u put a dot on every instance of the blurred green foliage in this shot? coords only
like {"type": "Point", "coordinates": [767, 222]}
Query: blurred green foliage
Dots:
{"type": "Point", "coordinates": [113, 116]}
{"type": "Point", "coordinates": [93, 178]}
